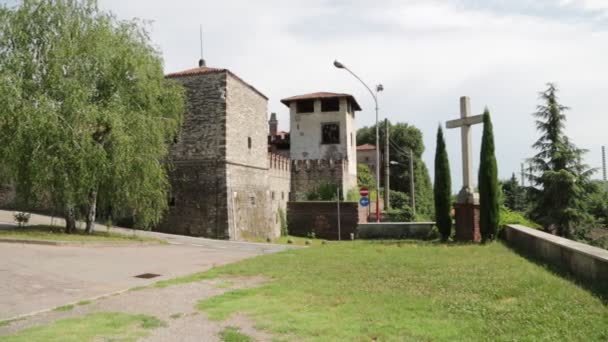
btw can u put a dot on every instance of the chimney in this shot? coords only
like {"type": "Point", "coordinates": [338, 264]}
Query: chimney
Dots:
{"type": "Point", "coordinates": [201, 63]}
{"type": "Point", "coordinates": [273, 124]}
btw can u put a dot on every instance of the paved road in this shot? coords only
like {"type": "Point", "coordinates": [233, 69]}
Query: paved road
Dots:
{"type": "Point", "coordinates": [36, 277]}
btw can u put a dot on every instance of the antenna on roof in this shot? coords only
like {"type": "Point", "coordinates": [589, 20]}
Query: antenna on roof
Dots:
{"type": "Point", "coordinates": [201, 62]}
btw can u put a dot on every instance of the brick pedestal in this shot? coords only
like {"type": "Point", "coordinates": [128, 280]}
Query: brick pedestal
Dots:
{"type": "Point", "coordinates": [467, 222]}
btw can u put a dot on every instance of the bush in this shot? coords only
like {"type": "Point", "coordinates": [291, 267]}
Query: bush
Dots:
{"type": "Point", "coordinates": [513, 217]}
{"type": "Point", "coordinates": [324, 192]}
{"type": "Point", "coordinates": [401, 215]}
{"type": "Point", "coordinates": [22, 219]}
{"type": "Point", "coordinates": [365, 177]}
{"type": "Point", "coordinates": [283, 222]}
{"type": "Point", "coordinates": [399, 200]}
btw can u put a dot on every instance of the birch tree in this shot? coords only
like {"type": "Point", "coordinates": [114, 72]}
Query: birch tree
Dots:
{"type": "Point", "coordinates": [86, 114]}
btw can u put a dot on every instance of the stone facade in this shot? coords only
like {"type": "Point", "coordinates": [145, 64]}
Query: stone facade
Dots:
{"type": "Point", "coordinates": [220, 173]}
{"type": "Point", "coordinates": [323, 132]}
{"type": "Point", "coordinates": [308, 175]}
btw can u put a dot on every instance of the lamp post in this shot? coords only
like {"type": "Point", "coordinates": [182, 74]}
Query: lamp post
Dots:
{"type": "Point", "coordinates": [379, 88]}
{"type": "Point", "coordinates": [412, 187]}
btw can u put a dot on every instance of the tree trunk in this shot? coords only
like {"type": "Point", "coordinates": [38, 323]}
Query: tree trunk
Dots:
{"type": "Point", "coordinates": [90, 217]}
{"type": "Point", "coordinates": [70, 219]}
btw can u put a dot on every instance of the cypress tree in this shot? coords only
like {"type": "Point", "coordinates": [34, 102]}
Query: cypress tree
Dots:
{"type": "Point", "coordinates": [443, 188]}
{"type": "Point", "coordinates": [488, 183]}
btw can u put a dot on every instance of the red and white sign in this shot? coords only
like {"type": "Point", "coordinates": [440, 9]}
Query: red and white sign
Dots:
{"type": "Point", "coordinates": [364, 192]}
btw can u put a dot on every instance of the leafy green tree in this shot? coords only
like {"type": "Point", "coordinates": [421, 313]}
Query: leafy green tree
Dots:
{"type": "Point", "coordinates": [365, 178]}
{"type": "Point", "coordinates": [443, 188]}
{"type": "Point", "coordinates": [558, 176]}
{"type": "Point", "coordinates": [87, 113]}
{"type": "Point", "coordinates": [489, 192]}
{"type": "Point", "coordinates": [404, 137]}
{"type": "Point", "coordinates": [514, 194]}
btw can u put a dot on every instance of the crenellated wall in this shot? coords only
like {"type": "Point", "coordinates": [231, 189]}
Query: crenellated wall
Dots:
{"type": "Point", "coordinates": [308, 175]}
{"type": "Point", "coordinates": [279, 183]}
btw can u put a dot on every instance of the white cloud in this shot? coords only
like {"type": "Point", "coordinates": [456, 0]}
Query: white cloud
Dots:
{"type": "Point", "coordinates": [426, 53]}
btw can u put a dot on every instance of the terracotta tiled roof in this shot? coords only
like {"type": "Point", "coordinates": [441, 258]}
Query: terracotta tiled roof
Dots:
{"type": "Point", "coordinates": [366, 147]}
{"type": "Point", "coordinates": [321, 95]}
{"type": "Point", "coordinates": [195, 71]}
{"type": "Point", "coordinates": [207, 70]}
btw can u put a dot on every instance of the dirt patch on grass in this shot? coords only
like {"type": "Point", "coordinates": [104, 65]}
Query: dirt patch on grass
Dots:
{"type": "Point", "coordinates": [175, 305]}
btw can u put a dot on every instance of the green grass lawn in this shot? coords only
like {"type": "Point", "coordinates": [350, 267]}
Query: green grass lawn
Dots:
{"type": "Point", "coordinates": [233, 334]}
{"type": "Point", "coordinates": [56, 233]}
{"type": "Point", "coordinates": [415, 291]}
{"type": "Point", "coordinates": [93, 327]}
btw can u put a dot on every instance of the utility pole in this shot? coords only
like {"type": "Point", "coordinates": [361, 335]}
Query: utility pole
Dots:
{"type": "Point", "coordinates": [604, 162]}
{"type": "Point", "coordinates": [412, 185]}
{"type": "Point", "coordinates": [387, 171]}
{"type": "Point", "coordinates": [522, 175]}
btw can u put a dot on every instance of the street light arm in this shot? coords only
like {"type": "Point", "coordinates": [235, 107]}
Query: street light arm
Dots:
{"type": "Point", "coordinates": [364, 84]}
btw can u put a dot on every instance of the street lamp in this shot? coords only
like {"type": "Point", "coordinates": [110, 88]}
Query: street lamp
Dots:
{"type": "Point", "coordinates": [412, 191]}
{"type": "Point", "coordinates": [379, 88]}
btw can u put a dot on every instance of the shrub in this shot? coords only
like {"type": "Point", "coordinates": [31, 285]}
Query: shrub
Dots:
{"type": "Point", "coordinates": [22, 219]}
{"type": "Point", "coordinates": [324, 192]}
{"type": "Point", "coordinates": [399, 200]}
{"type": "Point", "coordinates": [401, 215]}
{"type": "Point", "coordinates": [283, 222]}
{"type": "Point", "coordinates": [513, 217]}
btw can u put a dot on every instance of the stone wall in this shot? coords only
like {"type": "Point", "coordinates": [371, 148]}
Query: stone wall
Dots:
{"type": "Point", "coordinates": [220, 181]}
{"type": "Point", "coordinates": [322, 218]}
{"type": "Point", "coordinates": [583, 261]}
{"type": "Point", "coordinates": [197, 161]}
{"type": "Point", "coordinates": [203, 132]}
{"type": "Point", "coordinates": [197, 201]}
{"type": "Point", "coordinates": [279, 181]}
{"type": "Point", "coordinates": [308, 175]}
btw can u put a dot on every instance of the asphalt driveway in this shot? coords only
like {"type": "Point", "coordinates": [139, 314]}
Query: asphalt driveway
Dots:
{"type": "Point", "coordinates": [36, 277]}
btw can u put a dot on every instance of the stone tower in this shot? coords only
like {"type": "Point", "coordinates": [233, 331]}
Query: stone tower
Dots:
{"type": "Point", "coordinates": [221, 172]}
{"type": "Point", "coordinates": [323, 141]}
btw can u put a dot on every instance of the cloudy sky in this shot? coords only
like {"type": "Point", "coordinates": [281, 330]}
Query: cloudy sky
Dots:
{"type": "Point", "coordinates": [426, 53]}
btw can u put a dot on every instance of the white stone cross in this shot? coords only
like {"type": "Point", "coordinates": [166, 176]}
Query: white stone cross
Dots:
{"type": "Point", "coordinates": [467, 194]}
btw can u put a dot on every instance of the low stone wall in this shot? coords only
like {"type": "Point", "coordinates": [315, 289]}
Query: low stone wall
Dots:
{"type": "Point", "coordinates": [395, 230]}
{"type": "Point", "coordinates": [586, 262]}
{"type": "Point", "coordinates": [321, 218]}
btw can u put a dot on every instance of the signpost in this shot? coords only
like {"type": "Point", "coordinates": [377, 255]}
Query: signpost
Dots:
{"type": "Point", "coordinates": [364, 201]}
{"type": "Point", "coordinates": [364, 192]}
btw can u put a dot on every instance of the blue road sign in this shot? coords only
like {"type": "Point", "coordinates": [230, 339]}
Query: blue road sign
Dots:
{"type": "Point", "coordinates": [364, 201]}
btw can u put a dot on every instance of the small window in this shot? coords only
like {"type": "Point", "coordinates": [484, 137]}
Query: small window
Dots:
{"type": "Point", "coordinates": [366, 159]}
{"type": "Point", "coordinates": [272, 194]}
{"type": "Point", "coordinates": [252, 200]}
{"type": "Point", "coordinates": [249, 142]}
{"type": "Point", "coordinates": [306, 106]}
{"type": "Point", "coordinates": [330, 105]}
{"type": "Point", "coordinates": [282, 195]}
{"type": "Point", "coordinates": [330, 133]}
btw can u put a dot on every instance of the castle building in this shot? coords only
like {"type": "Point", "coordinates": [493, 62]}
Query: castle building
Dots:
{"type": "Point", "coordinates": [232, 172]}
